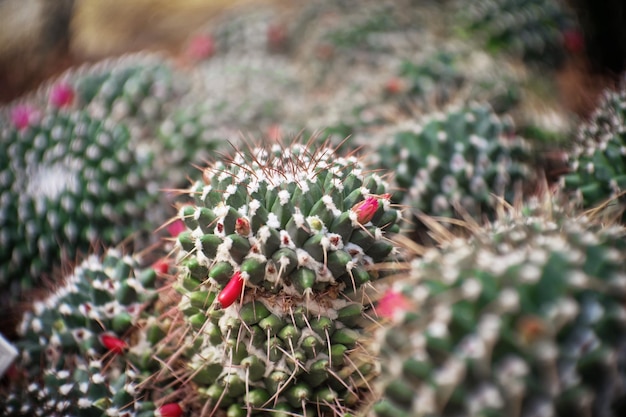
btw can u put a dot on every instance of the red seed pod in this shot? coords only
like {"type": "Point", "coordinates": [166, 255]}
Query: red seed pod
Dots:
{"type": "Point", "coordinates": [113, 343]}
{"type": "Point", "coordinates": [232, 291]}
{"type": "Point", "coordinates": [365, 209]}
{"type": "Point", "coordinates": [169, 410]}
{"type": "Point", "coordinates": [176, 227]}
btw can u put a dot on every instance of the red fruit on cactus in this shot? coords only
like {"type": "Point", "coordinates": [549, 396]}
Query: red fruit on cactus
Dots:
{"type": "Point", "coordinates": [365, 209]}
{"type": "Point", "coordinates": [162, 266]}
{"type": "Point", "coordinates": [169, 410]}
{"type": "Point", "coordinates": [62, 95]}
{"type": "Point", "coordinates": [231, 291]}
{"type": "Point", "coordinates": [113, 344]}
{"type": "Point", "coordinates": [176, 227]}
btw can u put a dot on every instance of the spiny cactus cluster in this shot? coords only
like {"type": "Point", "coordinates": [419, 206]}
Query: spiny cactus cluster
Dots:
{"type": "Point", "coordinates": [85, 348]}
{"type": "Point", "coordinates": [462, 158]}
{"type": "Point", "coordinates": [531, 30]}
{"type": "Point", "coordinates": [68, 182]}
{"type": "Point", "coordinates": [274, 240]}
{"type": "Point", "coordinates": [598, 157]}
{"type": "Point", "coordinates": [525, 319]}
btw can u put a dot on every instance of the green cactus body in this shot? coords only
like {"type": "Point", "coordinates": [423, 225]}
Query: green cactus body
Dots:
{"type": "Point", "coordinates": [525, 319]}
{"type": "Point", "coordinates": [598, 158]}
{"type": "Point", "coordinates": [68, 181]}
{"type": "Point", "coordinates": [463, 157]}
{"type": "Point", "coordinates": [530, 30]}
{"type": "Point", "coordinates": [274, 238]}
{"type": "Point", "coordinates": [86, 347]}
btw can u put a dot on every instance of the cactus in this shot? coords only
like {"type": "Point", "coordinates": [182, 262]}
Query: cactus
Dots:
{"type": "Point", "coordinates": [276, 241]}
{"type": "Point", "coordinates": [530, 30]}
{"type": "Point", "coordinates": [461, 158]}
{"type": "Point", "coordinates": [138, 89]}
{"type": "Point", "coordinates": [524, 319]}
{"type": "Point", "coordinates": [598, 157]}
{"type": "Point", "coordinates": [85, 349]}
{"type": "Point", "coordinates": [68, 182]}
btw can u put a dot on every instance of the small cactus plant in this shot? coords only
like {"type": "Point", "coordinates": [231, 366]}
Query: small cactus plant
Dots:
{"type": "Point", "coordinates": [276, 241]}
{"type": "Point", "coordinates": [86, 347]}
{"type": "Point", "coordinates": [463, 157]}
{"type": "Point", "coordinates": [524, 319]}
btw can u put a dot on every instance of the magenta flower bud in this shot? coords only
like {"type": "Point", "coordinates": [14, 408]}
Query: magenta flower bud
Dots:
{"type": "Point", "coordinates": [365, 209]}
{"type": "Point", "coordinates": [62, 95]}
{"type": "Point", "coordinates": [23, 116]}
{"type": "Point", "coordinates": [391, 304]}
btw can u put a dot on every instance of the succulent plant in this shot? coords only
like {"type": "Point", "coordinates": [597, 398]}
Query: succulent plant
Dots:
{"type": "Point", "coordinates": [598, 157]}
{"type": "Point", "coordinates": [458, 159]}
{"type": "Point", "coordinates": [526, 318]}
{"type": "Point", "coordinates": [531, 30]}
{"type": "Point", "coordinates": [68, 182]}
{"type": "Point", "coordinates": [137, 89]}
{"type": "Point", "coordinates": [278, 242]}
{"type": "Point", "coordinates": [86, 348]}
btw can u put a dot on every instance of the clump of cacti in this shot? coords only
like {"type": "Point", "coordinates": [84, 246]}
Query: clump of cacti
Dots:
{"type": "Point", "coordinates": [276, 241]}
{"type": "Point", "coordinates": [531, 30]}
{"type": "Point", "coordinates": [69, 181]}
{"type": "Point", "coordinates": [526, 318]}
{"type": "Point", "coordinates": [597, 159]}
{"type": "Point", "coordinates": [463, 159]}
{"type": "Point", "coordinates": [86, 348]}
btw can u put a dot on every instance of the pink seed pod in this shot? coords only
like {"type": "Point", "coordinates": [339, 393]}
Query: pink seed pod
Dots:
{"type": "Point", "coordinates": [200, 47]}
{"type": "Point", "coordinates": [23, 116]}
{"type": "Point", "coordinates": [113, 344]}
{"type": "Point", "coordinates": [176, 227]}
{"type": "Point", "coordinates": [62, 95]}
{"type": "Point", "coordinates": [391, 304]}
{"type": "Point", "coordinates": [169, 410]}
